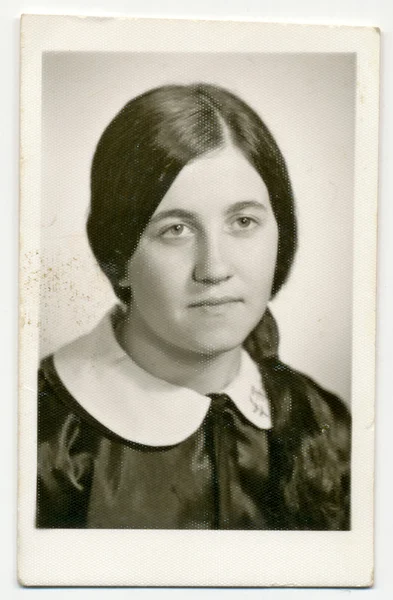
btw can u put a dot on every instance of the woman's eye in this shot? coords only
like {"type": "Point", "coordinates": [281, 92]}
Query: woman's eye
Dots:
{"type": "Point", "coordinates": [244, 223]}
{"type": "Point", "coordinates": [176, 231]}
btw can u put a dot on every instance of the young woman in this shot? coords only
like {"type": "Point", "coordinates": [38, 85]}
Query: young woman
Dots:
{"type": "Point", "coordinates": [175, 411]}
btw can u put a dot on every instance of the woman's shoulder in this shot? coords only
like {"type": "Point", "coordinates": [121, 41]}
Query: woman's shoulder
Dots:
{"type": "Point", "coordinates": [327, 408]}
{"type": "Point", "coordinates": [66, 450]}
{"type": "Point", "coordinates": [307, 396]}
{"type": "Point", "coordinates": [53, 398]}
{"type": "Point", "coordinates": [311, 446]}
{"type": "Point", "coordinates": [58, 410]}
{"type": "Point", "coordinates": [295, 396]}
{"type": "Point", "coordinates": [61, 376]}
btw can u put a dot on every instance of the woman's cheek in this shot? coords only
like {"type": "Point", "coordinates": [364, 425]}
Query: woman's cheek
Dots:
{"type": "Point", "coordinates": [164, 278]}
{"type": "Point", "coordinates": [174, 263]}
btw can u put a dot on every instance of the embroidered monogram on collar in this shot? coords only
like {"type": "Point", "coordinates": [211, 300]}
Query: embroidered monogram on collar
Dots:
{"type": "Point", "coordinates": [259, 402]}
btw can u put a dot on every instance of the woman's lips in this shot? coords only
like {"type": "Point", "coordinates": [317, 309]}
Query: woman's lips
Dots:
{"type": "Point", "coordinates": [216, 306]}
{"type": "Point", "coordinates": [215, 301]}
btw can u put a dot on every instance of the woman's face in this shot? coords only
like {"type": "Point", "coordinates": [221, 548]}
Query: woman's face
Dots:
{"type": "Point", "coordinates": [202, 273]}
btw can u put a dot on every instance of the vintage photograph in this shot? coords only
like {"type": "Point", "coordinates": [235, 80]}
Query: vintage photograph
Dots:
{"type": "Point", "coordinates": [176, 411]}
{"type": "Point", "coordinates": [194, 320]}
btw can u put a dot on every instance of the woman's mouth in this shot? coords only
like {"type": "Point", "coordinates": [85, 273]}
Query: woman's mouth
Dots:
{"type": "Point", "coordinates": [216, 306]}
{"type": "Point", "coordinates": [215, 301]}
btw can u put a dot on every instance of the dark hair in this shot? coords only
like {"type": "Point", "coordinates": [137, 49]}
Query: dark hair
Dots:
{"type": "Point", "coordinates": [145, 147]}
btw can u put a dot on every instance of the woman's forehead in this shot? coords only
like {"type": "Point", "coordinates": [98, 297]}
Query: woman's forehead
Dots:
{"type": "Point", "coordinates": [215, 181]}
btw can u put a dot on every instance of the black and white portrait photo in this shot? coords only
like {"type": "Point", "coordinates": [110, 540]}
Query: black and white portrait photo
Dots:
{"type": "Point", "coordinates": [194, 357]}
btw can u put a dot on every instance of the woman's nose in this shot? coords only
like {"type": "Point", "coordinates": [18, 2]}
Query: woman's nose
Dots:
{"type": "Point", "coordinates": [212, 263]}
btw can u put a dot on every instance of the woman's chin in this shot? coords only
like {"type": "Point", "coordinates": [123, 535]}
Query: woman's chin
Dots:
{"type": "Point", "coordinates": [214, 343]}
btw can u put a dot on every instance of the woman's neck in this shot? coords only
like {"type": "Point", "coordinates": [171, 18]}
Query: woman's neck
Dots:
{"type": "Point", "coordinates": [199, 372]}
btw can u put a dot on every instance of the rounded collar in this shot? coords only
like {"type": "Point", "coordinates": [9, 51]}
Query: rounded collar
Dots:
{"type": "Point", "coordinates": [138, 406]}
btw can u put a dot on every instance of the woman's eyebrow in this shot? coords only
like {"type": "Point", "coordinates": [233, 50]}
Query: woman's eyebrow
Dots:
{"type": "Point", "coordinates": [244, 204]}
{"type": "Point", "coordinates": [174, 212]}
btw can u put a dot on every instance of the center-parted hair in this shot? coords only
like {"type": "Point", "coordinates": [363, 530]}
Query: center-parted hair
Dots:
{"type": "Point", "coordinates": [145, 147]}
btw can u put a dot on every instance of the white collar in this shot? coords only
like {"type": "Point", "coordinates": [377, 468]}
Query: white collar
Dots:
{"type": "Point", "coordinates": [142, 408]}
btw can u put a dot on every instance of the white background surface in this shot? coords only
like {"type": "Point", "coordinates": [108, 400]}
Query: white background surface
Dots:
{"type": "Point", "coordinates": [380, 14]}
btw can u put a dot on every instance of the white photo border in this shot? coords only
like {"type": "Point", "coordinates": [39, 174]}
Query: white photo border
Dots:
{"type": "Point", "coordinates": [200, 558]}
